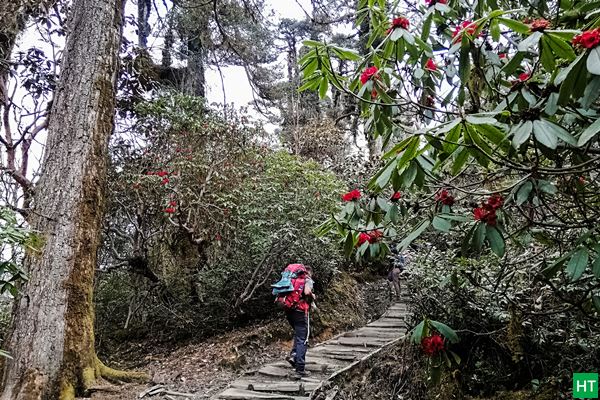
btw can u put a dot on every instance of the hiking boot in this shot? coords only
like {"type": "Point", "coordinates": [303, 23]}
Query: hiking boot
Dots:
{"type": "Point", "coordinates": [300, 374]}
{"type": "Point", "coordinates": [290, 359]}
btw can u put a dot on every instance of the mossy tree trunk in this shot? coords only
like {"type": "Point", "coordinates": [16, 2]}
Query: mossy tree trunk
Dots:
{"type": "Point", "coordinates": [52, 336]}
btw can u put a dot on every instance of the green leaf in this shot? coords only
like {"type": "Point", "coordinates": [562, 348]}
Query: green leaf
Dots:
{"type": "Point", "coordinates": [479, 236]}
{"type": "Point", "coordinates": [544, 135]}
{"type": "Point", "coordinates": [312, 43]}
{"type": "Point", "coordinates": [480, 119]}
{"type": "Point", "coordinates": [396, 34]}
{"type": "Point", "coordinates": [546, 55]}
{"type": "Point", "coordinates": [409, 175]}
{"type": "Point", "coordinates": [530, 41]}
{"type": "Point", "coordinates": [447, 126]}
{"type": "Point", "coordinates": [570, 78]}
{"type": "Point", "coordinates": [547, 187]}
{"type": "Point", "coordinates": [559, 46]}
{"type": "Point", "coordinates": [516, 26]}
{"type": "Point", "coordinates": [455, 356]}
{"type": "Point", "coordinates": [596, 265]}
{"type": "Point", "coordinates": [323, 88]}
{"type": "Point", "coordinates": [418, 332]}
{"type": "Point", "coordinates": [413, 235]}
{"type": "Point", "coordinates": [392, 213]}
{"type": "Point", "coordinates": [523, 193]}
{"type": "Point", "coordinates": [464, 66]}
{"type": "Point", "coordinates": [589, 133]}
{"type": "Point", "coordinates": [577, 264]}
{"type": "Point", "coordinates": [349, 244]}
{"type": "Point", "coordinates": [445, 330]}
{"type": "Point", "coordinates": [522, 133]}
{"type": "Point", "coordinates": [496, 240]}
{"type": "Point", "coordinates": [593, 61]}
{"type": "Point", "coordinates": [441, 224]}
{"type": "Point", "coordinates": [559, 132]}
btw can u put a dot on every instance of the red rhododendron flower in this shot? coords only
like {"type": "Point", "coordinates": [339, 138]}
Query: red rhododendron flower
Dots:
{"type": "Point", "coordinates": [396, 196]}
{"type": "Point", "coordinates": [362, 238]}
{"type": "Point", "coordinates": [172, 203]}
{"type": "Point", "coordinates": [487, 211]}
{"type": "Point", "coordinates": [351, 196]}
{"type": "Point", "coordinates": [430, 65]}
{"type": "Point", "coordinates": [538, 25]}
{"type": "Point", "coordinates": [400, 22]}
{"type": "Point", "coordinates": [367, 74]}
{"type": "Point", "coordinates": [162, 173]}
{"type": "Point", "coordinates": [373, 94]}
{"type": "Point", "coordinates": [434, 2]}
{"type": "Point", "coordinates": [444, 197]}
{"type": "Point", "coordinates": [375, 236]}
{"type": "Point", "coordinates": [432, 344]}
{"type": "Point", "coordinates": [587, 39]}
{"type": "Point", "coordinates": [524, 76]}
{"type": "Point", "coordinates": [169, 210]}
{"type": "Point", "coordinates": [495, 202]}
{"type": "Point", "coordinates": [165, 181]}
{"type": "Point", "coordinates": [467, 26]}
{"type": "Point", "coordinates": [149, 173]}
{"type": "Point", "coordinates": [502, 56]}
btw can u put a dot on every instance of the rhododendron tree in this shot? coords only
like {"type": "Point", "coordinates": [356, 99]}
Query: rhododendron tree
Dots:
{"type": "Point", "coordinates": [498, 145]}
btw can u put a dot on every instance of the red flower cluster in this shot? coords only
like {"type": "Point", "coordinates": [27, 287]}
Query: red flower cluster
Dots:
{"type": "Point", "coordinates": [487, 211]}
{"type": "Point", "coordinates": [432, 344]}
{"type": "Point", "coordinates": [539, 25]}
{"type": "Point", "coordinates": [467, 26]}
{"type": "Point", "coordinates": [162, 174]}
{"type": "Point", "coordinates": [351, 196]}
{"type": "Point", "coordinates": [588, 39]}
{"type": "Point", "coordinates": [170, 210]}
{"type": "Point", "coordinates": [444, 197]}
{"type": "Point", "coordinates": [434, 2]}
{"type": "Point", "coordinates": [164, 181]}
{"type": "Point", "coordinates": [430, 65]}
{"type": "Point", "coordinates": [396, 196]}
{"type": "Point", "coordinates": [367, 74]}
{"type": "Point", "coordinates": [524, 76]}
{"type": "Point", "coordinates": [400, 22]}
{"type": "Point", "coordinates": [371, 237]}
{"type": "Point", "coordinates": [362, 237]}
{"type": "Point", "coordinates": [502, 56]}
{"type": "Point", "coordinates": [173, 203]}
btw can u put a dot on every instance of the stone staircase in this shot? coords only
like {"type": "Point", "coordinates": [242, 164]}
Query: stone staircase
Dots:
{"type": "Point", "coordinates": [324, 360]}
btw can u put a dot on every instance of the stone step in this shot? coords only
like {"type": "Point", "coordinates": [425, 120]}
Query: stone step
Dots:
{"type": "Point", "coordinates": [388, 323]}
{"type": "Point", "coordinates": [296, 388]}
{"type": "Point", "coordinates": [241, 394]}
{"type": "Point", "coordinates": [376, 333]}
{"type": "Point", "coordinates": [362, 341]}
{"type": "Point", "coordinates": [337, 348]}
{"type": "Point", "coordinates": [280, 371]}
{"type": "Point", "coordinates": [396, 314]}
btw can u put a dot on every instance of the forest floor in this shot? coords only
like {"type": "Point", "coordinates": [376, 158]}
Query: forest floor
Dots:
{"type": "Point", "coordinates": [204, 368]}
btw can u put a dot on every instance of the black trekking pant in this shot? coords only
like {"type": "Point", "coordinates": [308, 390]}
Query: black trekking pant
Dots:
{"type": "Point", "coordinates": [299, 321]}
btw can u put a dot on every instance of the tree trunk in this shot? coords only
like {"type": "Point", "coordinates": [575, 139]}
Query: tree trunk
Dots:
{"type": "Point", "coordinates": [195, 81]}
{"type": "Point", "coordinates": [52, 336]}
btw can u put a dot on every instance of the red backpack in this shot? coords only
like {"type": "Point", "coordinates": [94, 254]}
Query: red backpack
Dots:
{"type": "Point", "coordinates": [292, 297]}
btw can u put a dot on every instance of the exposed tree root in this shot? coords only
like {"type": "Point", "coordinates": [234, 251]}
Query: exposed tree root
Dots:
{"type": "Point", "coordinates": [96, 371]}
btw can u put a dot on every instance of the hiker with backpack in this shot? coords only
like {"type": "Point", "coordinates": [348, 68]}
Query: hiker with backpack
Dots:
{"type": "Point", "coordinates": [398, 263]}
{"type": "Point", "coordinates": [294, 292]}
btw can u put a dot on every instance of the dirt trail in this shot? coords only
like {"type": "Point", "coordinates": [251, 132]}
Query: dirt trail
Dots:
{"type": "Point", "coordinates": [208, 367]}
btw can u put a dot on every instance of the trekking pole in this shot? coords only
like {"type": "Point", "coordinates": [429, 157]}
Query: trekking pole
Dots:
{"type": "Point", "coordinates": [307, 326]}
